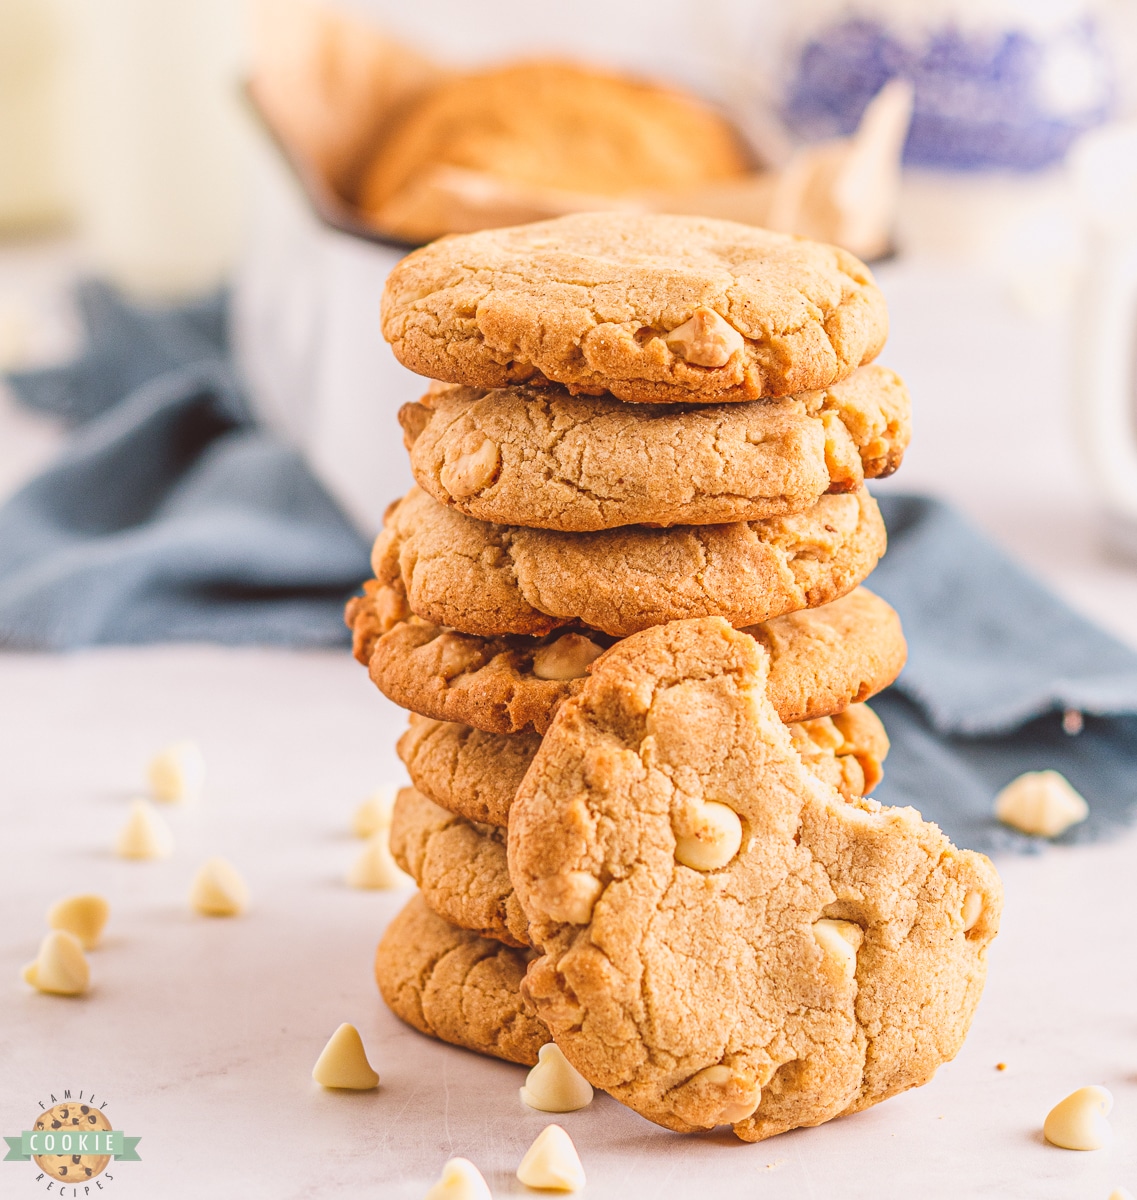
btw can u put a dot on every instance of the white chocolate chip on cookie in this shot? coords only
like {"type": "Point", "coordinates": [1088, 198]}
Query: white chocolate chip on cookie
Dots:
{"type": "Point", "coordinates": [569, 657]}
{"type": "Point", "coordinates": [374, 814]}
{"type": "Point", "coordinates": [375, 868]}
{"type": "Point", "coordinates": [60, 967]}
{"type": "Point", "coordinates": [177, 772]}
{"type": "Point", "coordinates": [719, 1089]}
{"type": "Point", "coordinates": [218, 890]}
{"type": "Point", "coordinates": [552, 1163]}
{"type": "Point", "coordinates": [343, 1062]}
{"type": "Point", "coordinates": [475, 467]}
{"type": "Point", "coordinates": [145, 834]}
{"type": "Point", "coordinates": [972, 909]}
{"type": "Point", "coordinates": [460, 1180]}
{"type": "Point", "coordinates": [554, 1084]}
{"type": "Point", "coordinates": [84, 916]}
{"type": "Point", "coordinates": [1041, 803]}
{"type": "Point", "coordinates": [706, 340]}
{"type": "Point", "coordinates": [569, 896]}
{"type": "Point", "coordinates": [710, 836]}
{"type": "Point", "coordinates": [839, 942]}
{"type": "Point", "coordinates": [1079, 1122]}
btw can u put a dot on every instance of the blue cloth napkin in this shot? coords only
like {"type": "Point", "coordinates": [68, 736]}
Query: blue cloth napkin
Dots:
{"type": "Point", "coordinates": [171, 516]}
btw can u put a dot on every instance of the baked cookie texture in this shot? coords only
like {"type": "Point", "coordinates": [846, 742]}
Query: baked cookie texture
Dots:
{"type": "Point", "coordinates": [544, 458]}
{"type": "Point", "coordinates": [816, 958]}
{"type": "Point", "coordinates": [476, 774]}
{"type": "Point", "coordinates": [556, 125]}
{"type": "Point", "coordinates": [508, 579]}
{"type": "Point", "coordinates": [821, 661]}
{"type": "Point", "coordinates": [652, 309]}
{"type": "Point", "coordinates": [453, 985]}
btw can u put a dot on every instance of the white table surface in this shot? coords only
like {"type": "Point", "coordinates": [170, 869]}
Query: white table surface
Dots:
{"type": "Point", "coordinates": [201, 1033]}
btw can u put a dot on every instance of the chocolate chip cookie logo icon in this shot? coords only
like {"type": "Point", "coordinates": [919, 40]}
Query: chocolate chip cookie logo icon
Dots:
{"type": "Point", "coordinates": [72, 1142]}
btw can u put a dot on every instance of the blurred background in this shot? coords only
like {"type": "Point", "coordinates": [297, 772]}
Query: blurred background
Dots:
{"type": "Point", "coordinates": [171, 148]}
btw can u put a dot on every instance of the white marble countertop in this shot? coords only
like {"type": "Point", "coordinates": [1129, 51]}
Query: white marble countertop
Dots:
{"type": "Point", "coordinates": [201, 1034]}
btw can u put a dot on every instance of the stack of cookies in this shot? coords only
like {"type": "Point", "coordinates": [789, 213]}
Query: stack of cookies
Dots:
{"type": "Point", "coordinates": [623, 607]}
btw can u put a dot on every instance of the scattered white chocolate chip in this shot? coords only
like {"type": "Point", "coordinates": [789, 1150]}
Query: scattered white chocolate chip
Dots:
{"type": "Point", "coordinates": [60, 967]}
{"type": "Point", "coordinates": [145, 834]}
{"type": "Point", "coordinates": [376, 867]}
{"type": "Point", "coordinates": [554, 1084]}
{"type": "Point", "coordinates": [343, 1062]}
{"type": "Point", "coordinates": [475, 468]}
{"type": "Point", "coordinates": [1121, 1194]}
{"type": "Point", "coordinates": [84, 916]}
{"type": "Point", "coordinates": [177, 772]}
{"type": "Point", "coordinates": [569, 657]}
{"type": "Point", "coordinates": [460, 1180]}
{"type": "Point", "coordinates": [218, 890]}
{"type": "Point", "coordinates": [552, 1162]}
{"type": "Point", "coordinates": [972, 909]}
{"type": "Point", "coordinates": [1041, 803]}
{"type": "Point", "coordinates": [709, 837]}
{"type": "Point", "coordinates": [706, 340]}
{"type": "Point", "coordinates": [839, 942]}
{"type": "Point", "coordinates": [1079, 1122]}
{"type": "Point", "coordinates": [374, 813]}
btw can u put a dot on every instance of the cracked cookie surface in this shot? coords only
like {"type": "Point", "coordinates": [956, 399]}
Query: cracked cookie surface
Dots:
{"type": "Point", "coordinates": [476, 774]}
{"type": "Point", "coordinates": [822, 660]}
{"type": "Point", "coordinates": [724, 939]}
{"type": "Point", "coordinates": [654, 309]}
{"type": "Point", "coordinates": [456, 986]}
{"type": "Point", "coordinates": [540, 457]}
{"type": "Point", "coordinates": [488, 579]}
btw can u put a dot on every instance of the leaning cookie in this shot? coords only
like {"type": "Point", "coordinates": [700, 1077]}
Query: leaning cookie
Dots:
{"type": "Point", "coordinates": [476, 774]}
{"type": "Point", "coordinates": [543, 458]}
{"type": "Point", "coordinates": [822, 660]}
{"type": "Point", "coordinates": [507, 579]}
{"type": "Point", "coordinates": [654, 309]}
{"type": "Point", "coordinates": [460, 867]}
{"type": "Point", "coordinates": [454, 985]}
{"type": "Point", "coordinates": [674, 857]}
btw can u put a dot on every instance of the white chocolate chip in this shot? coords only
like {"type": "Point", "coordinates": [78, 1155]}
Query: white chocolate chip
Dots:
{"type": "Point", "coordinates": [743, 1099]}
{"type": "Point", "coordinates": [460, 1180]}
{"type": "Point", "coordinates": [839, 942]}
{"type": "Point", "coordinates": [706, 340]}
{"type": "Point", "coordinates": [177, 772]}
{"type": "Point", "coordinates": [374, 814]}
{"type": "Point", "coordinates": [554, 1084]}
{"type": "Point", "coordinates": [343, 1062]}
{"type": "Point", "coordinates": [475, 468]}
{"type": "Point", "coordinates": [1041, 803]}
{"type": "Point", "coordinates": [375, 868]}
{"type": "Point", "coordinates": [972, 909]}
{"type": "Point", "coordinates": [709, 836]}
{"type": "Point", "coordinates": [1121, 1194]}
{"type": "Point", "coordinates": [218, 890]}
{"type": "Point", "coordinates": [569, 896]}
{"type": "Point", "coordinates": [1079, 1122]}
{"type": "Point", "coordinates": [83, 916]}
{"type": "Point", "coordinates": [552, 1163]}
{"type": "Point", "coordinates": [60, 967]}
{"type": "Point", "coordinates": [569, 657]}
{"type": "Point", "coordinates": [145, 834]}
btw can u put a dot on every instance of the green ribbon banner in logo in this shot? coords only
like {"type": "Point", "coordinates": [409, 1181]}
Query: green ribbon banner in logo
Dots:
{"type": "Point", "coordinates": [72, 1141]}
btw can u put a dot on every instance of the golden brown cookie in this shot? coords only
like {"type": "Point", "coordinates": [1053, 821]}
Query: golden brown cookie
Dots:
{"type": "Point", "coordinates": [476, 774]}
{"type": "Point", "coordinates": [454, 985]}
{"type": "Point", "coordinates": [552, 125]}
{"type": "Point", "coordinates": [460, 867]}
{"type": "Point", "coordinates": [506, 579]}
{"type": "Point", "coordinates": [654, 309]}
{"type": "Point", "coordinates": [724, 939]}
{"type": "Point", "coordinates": [822, 660]}
{"type": "Point", "coordinates": [71, 1118]}
{"type": "Point", "coordinates": [540, 457]}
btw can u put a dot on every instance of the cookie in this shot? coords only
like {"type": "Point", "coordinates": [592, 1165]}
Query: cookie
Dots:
{"type": "Point", "coordinates": [822, 660]}
{"type": "Point", "coordinates": [551, 125]}
{"type": "Point", "coordinates": [723, 939]}
{"type": "Point", "coordinates": [500, 579]}
{"type": "Point", "coordinates": [476, 774]}
{"type": "Point", "coordinates": [653, 309]}
{"type": "Point", "coordinates": [540, 457]}
{"type": "Point", "coordinates": [456, 986]}
{"type": "Point", "coordinates": [460, 867]}
{"type": "Point", "coordinates": [74, 1119]}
